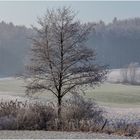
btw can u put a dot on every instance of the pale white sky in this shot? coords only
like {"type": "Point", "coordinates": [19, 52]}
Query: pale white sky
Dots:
{"type": "Point", "coordinates": [26, 12]}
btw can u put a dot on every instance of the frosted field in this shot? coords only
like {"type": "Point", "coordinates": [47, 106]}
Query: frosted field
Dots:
{"type": "Point", "coordinates": [116, 95]}
{"type": "Point", "coordinates": [108, 94]}
{"type": "Point", "coordinates": [56, 135]}
{"type": "Point", "coordinates": [117, 99]}
{"type": "Point", "coordinates": [14, 88]}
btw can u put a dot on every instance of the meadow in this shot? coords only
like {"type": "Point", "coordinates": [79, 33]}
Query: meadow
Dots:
{"type": "Point", "coordinates": [107, 94]}
{"type": "Point", "coordinates": [116, 95]}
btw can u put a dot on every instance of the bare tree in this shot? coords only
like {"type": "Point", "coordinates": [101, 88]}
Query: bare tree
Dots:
{"type": "Point", "coordinates": [129, 73]}
{"type": "Point", "coordinates": [132, 68]}
{"type": "Point", "coordinates": [124, 75]}
{"type": "Point", "coordinates": [60, 61]}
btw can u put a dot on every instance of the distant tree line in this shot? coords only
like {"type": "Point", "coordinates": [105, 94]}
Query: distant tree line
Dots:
{"type": "Point", "coordinates": [14, 45]}
{"type": "Point", "coordinates": [116, 44]}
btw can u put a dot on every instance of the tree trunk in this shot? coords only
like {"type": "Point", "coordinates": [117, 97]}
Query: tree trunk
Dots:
{"type": "Point", "coordinates": [59, 113]}
{"type": "Point", "coordinates": [59, 108]}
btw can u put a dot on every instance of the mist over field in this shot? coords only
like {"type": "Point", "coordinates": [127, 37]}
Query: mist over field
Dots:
{"type": "Point", "coordinates": [116, 44]}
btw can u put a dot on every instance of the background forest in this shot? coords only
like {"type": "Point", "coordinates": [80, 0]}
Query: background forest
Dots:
{"type": "Point", "coordinates": [116, 44]}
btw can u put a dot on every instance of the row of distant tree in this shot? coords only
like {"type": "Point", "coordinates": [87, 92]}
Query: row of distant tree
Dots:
{"type": "Point", "coordinates": [117, 44]}
{"type": "Point", "coordinates": [14, 45]}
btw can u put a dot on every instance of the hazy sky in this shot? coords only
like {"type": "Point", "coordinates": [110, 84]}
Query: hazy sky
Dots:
{"type": "Point", "coordinates": [25, 13]}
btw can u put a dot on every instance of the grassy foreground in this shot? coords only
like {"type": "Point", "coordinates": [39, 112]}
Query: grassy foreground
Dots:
{"type": "Point", "coordinates": [107, 94]}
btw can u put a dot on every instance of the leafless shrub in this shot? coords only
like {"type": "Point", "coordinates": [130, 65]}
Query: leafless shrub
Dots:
{"type": "Point", "coordinates": [123, 127]}
{"type": "Point", "coordinates": [124, 75]}
{"type": "Point", "coordinates": [82, 114]}
{"type": "Point", "coordinates": [10, 107]}
{"type": "Point", "coordinates": [19, 115]}
{"type": "Point", "coordinates": [36, 116]}
{"type": "Point", "coordinates": [129, 74]}
{"type": "Point", "coordinates": [132, 68]}
{"type": "Point", "coordinates": [79, 114]}
{"type": "Point", "coordinates": [79, 108]}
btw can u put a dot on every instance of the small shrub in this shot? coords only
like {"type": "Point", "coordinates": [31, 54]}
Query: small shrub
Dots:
{"type": "Point", "coordinates": [10, 107]}
{"type": "Point", "coordinates": [37, 116]}
{"type": "Point", "coordinates": [19, 115]}
{"type": "Point", "coordinates": [123, 127]}
{"type": "Point", "coordinates": [82, 114]}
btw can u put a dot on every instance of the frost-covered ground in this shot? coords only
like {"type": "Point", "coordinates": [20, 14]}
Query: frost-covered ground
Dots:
{"type": "Point", "coordinates": [55, 135]}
